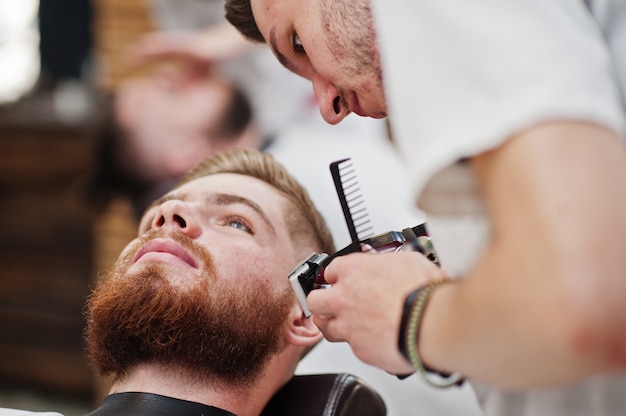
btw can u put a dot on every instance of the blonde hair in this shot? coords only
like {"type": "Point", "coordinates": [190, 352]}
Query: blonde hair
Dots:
{"type": "Point", "coordinates": [307, 228]}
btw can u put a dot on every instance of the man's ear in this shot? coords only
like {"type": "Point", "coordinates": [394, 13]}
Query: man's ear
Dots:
{"type": "Point", "coordinates": [302, 331]}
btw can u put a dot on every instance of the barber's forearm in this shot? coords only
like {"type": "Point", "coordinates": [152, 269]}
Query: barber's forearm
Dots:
{"type": "Point", "coordinates": [506, 335]}
{"type": "Point", "coordinates": [224, 41]}
{"type": "Point", "coordinates": [545, 303]}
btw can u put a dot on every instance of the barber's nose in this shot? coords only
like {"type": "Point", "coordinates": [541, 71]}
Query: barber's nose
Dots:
{"type": "Point", "coordinates": [176, 216]}
{"type": "Point", "coordinates": [332, 106]}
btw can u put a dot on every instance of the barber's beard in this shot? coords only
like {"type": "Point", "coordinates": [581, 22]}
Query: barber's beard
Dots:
{"type": "Point", "coordinates": [215, 330]}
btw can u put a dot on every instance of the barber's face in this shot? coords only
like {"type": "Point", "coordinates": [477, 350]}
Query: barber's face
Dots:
{"type": "Point", "coordinates": [333, 44]}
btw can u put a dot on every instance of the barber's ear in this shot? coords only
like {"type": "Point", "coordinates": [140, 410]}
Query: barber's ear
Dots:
{"type": "Point", "coordinates": [302, 331]}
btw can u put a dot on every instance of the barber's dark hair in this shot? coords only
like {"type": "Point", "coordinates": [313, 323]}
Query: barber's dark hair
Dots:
{"type": "Point", "coordinates": [239, 14]}
{"type": "Point", "coordinates": [237, 116]}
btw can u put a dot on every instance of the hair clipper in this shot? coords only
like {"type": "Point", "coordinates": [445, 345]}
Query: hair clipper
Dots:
{"type": "Point", "coordinates": [309, 274]}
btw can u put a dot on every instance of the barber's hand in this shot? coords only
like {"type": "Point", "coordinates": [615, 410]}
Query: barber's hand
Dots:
{"type": "Point", "coordinates": [202, 47]}
{"type": "Point", "coordinates": [364, 305]}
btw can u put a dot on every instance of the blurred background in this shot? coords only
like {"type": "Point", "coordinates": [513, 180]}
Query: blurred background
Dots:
{"type": "Point", "coordinates": [57, 57]}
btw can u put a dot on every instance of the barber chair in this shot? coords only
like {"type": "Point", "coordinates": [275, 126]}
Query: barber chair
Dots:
{"type": "Point", "coordinates": [325, 395]}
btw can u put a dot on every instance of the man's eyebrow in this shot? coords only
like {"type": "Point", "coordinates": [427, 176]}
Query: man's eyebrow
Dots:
{"type": "Point", "coordinates": [230, 199]}
{"type": "Point", "coordinates": [281, 58]}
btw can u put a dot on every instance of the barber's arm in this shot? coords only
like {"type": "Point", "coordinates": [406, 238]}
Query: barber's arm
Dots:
{"type": "Point", "coordinates": [545, 304]}
{"type": "Point", "coordinates": [203, 47]}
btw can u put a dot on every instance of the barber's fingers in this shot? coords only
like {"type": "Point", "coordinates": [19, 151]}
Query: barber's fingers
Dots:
{"type": "Point", "coordinates": [326, 305]}
{"type": "Point", "coordinates": [320, 303]}
{"type": "Point", "coordinates": [160, 45]}
{"type": "Point", "coordinates": [341, 266]}
{"type": "Point", "coordinates": [326, 325]}
{"type": "Point", "coordinates": [366, 248]}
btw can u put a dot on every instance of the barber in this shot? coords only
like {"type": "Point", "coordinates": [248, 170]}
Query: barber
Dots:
{"type": "Point", "coordinates": [511, 118]}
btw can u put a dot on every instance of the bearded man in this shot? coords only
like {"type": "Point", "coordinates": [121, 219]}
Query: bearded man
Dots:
{"type": "Point", "coordinates": [197, 316]}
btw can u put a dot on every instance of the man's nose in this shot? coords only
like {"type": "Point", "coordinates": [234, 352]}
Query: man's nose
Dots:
{"type": "Point", "coordinates": [332, 105]}
{"type": "Point", "coordinates": [176, 216]}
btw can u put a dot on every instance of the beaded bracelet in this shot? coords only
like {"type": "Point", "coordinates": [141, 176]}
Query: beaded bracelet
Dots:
{"type": "Point", "coordinates": [409, 330]}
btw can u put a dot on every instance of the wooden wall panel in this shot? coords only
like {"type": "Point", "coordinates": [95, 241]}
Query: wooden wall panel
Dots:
{"type": "Point", "coordinates": [46, 256]}
{"type": "Point", "coordinates": [117, 24]}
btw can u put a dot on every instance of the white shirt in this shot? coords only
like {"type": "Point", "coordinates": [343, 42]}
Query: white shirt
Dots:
{"type": "Point", "coordinates": [462, 76]}
{"type": "Point", "coordinates": [4, 411]}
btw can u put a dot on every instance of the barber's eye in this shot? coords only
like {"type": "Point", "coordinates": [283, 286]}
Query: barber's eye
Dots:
{"type": "Point", "coordinates": [297, 45]}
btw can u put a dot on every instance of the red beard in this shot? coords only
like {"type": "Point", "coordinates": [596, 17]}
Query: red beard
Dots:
{"type": "Point", "coordinates": [214, 329]}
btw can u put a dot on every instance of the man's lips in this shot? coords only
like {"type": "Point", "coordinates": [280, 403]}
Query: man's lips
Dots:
{"type": "Point", "coordinates": [160, 245]}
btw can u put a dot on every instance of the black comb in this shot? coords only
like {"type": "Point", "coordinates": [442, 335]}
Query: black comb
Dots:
{"type": "Point", "coordinates": [352, 204]}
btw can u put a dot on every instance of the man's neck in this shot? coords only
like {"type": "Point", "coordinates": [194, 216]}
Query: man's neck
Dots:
{"type": "Point", "coordinates": [176, 383]}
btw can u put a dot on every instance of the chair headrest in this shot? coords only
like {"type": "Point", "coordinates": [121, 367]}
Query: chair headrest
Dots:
{"type": "Point", "coordinates": [326, 395]}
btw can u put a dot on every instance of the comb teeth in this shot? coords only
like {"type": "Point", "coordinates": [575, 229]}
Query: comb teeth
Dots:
{"type": "Point", "coordinates": [352, 203]}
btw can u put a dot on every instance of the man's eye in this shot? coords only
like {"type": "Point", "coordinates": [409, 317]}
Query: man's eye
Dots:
{"type": "Point", "coordinates": [241, 224]}
{"type": "Point", "coordinates": [297, 45]}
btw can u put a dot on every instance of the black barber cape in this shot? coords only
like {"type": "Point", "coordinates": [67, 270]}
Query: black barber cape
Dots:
{"type": "Point", "coordinates": [147, 404]}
